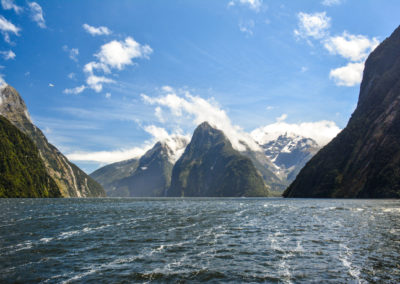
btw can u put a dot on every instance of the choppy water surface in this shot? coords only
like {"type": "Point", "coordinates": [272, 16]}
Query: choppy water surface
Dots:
{"type": "Point", "coordinates": [218, 240]}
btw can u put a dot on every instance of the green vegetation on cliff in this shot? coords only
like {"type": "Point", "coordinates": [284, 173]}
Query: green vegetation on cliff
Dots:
{"type": "Point", "coordinates": [22, 171]}
{"type": "Point", "coordinates": [71, 180]}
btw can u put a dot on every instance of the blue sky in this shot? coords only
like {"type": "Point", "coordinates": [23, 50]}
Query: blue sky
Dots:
{"type": "Point", "coordinates": [166, 65]}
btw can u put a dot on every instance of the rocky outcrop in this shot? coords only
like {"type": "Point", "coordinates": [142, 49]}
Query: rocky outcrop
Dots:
{"type": "Point", "coordinates": [363, 161]}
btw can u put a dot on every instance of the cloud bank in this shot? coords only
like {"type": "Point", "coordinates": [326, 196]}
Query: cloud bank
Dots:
{"type": "Point", "coordinates": [320, 131]}
{"type": "Point", "coordinates": [198, 110]}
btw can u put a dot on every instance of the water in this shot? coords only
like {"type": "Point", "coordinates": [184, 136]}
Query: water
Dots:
{"type": "Point", "coordinates": [183, 240]}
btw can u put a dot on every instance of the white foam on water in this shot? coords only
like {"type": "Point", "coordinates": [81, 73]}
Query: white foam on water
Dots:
{"type": "Point", "coordinates": [357, 209]}
{"type": "Point", "coordinates": [45, 240]}
{"type": "Point", "coordinates": [299, 247]}
{"type": "Point", "coordinates": [345, 258]}
{"type": "Point", "coordinates": [391, 210]}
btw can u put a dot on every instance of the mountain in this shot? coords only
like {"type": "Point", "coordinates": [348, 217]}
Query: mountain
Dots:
{"type": "Point", "coordinates": [266, 168]}
{"type": "Point", "coordinates": [109, 176]}
{"type": "Point", "coordinates": [71, 181]}
{"type": "Point", "coordinates": [22, 171]}
{"type": "Point", "coordinates": [148, 176]}
{"type": "Point", "coordinates": [210, 167]}
{"type": "Point", "coordinates": [289, 153]}
{"type": "Point", "coordinates": [363, 161]}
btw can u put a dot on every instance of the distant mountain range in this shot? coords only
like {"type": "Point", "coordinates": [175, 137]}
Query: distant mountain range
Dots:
{"type": "Point", "coordinates": [70, 180]}
{"type": "Point", "coordinates": [209, 168]}
{"type": "Point", "coordinates": [289, 153]}
{"type": "Point", "coordinates": [363, 161]}
{"type": "Point", "coordinates": [148, 176]}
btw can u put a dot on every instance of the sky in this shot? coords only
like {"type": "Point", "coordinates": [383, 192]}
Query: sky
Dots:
{"type": "Point", "coordinates": [105, 79]}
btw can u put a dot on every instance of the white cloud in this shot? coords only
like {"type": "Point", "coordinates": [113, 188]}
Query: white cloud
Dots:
{"type": "Point", "coordinates": [304, 69]}
{"type": "Point", "coordinates": [73, 52]}
{"type": "Point", "coordinates": [113, 55]}
{"type": "Point", "coordinates": [198, 110]}
{"type": "Point", "coordinates": [352, 47]}
{"type": "Point", "coordinates": [247, 27]}
{"type": "Point", "coordinates": [348, 75]}
{"type": "Point", "coordinates": [167, 89]}
{"type": "Point", "coordinates": [159, 115]}
{"type": "Point", "coordinates": [252, 4]}
{"type": "Point", "coordinates": [176, 142]}
{"type": "Point", "coordinates": [312, 25]}
{"type": "Point", "coordinates": [96, 31]}
{"type": "Point", "coordinates": [108, 95]}
{"type": "Point", "coordinates": [75, 91]}
{"type": "Point", "coordinates": [117, 54]}
{"type": "Point", "coordinates": [96, 82]}
{"type": "Point", "coordinates": [7, 27]}
{"type": "Point", "coordinates": [269, 107]}
{"type": "Point", "coordinates": [37, 14]}
{"type": "Point", "coordinates": [92, 66]}
{"type": "Point", "coordinates": [281, 118]}
{"type": "Point", "coordinates": [2, 81]}
{"type": "Point", "coordinates": [71, 75]}
{"type": "Point", "coordinates": [331, 2]}
{"type": "Point", "coordinates": [109, 156]}
{"type": "Point", "coordinates": [9, 4]}
{"type": "Point", "coordinates": [321, 131]}
{"type": "Point", "coordinates": [8, 54]}
{"type": "Point", "coordinates": [51, 85]}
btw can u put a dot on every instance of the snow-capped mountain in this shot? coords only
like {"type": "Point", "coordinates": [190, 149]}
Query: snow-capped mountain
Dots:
{"type": "Point", "coordinates": [289, 152]}
{"type": "Point", "coordinates": [145, 176]}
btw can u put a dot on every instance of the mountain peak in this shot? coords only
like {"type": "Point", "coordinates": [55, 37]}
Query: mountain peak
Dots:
{"type": "Point", "coordinates": [12, 105]}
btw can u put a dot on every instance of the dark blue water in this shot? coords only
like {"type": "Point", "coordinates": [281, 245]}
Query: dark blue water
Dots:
{"type": "Point", "coordinates": [184, 240]}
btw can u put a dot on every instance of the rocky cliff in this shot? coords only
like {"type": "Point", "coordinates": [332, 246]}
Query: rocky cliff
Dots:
{"type": "Point", "coordinates": [71, 181]}
{"type": "Point", "coordinates": [363, 161]}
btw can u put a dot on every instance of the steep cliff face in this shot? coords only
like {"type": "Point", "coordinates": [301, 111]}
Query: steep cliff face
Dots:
{"type": "Point", "coordinates": [363, 161]}
{"type": "Point", "coordinates": [148, 176]}
{"type": "Point", "coordinates": [71, 181]}
{"type": "Point", "coordinates": [22, 171]}
{"type": "Point", "coordinates": [211, 167]}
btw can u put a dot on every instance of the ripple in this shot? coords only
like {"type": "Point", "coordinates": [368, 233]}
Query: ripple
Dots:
{"type": "Point", "coordinates": [200, 240]}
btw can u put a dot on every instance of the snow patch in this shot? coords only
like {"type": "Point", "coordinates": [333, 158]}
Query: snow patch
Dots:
{"type": "Point", "coordinates": [320, 131]}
